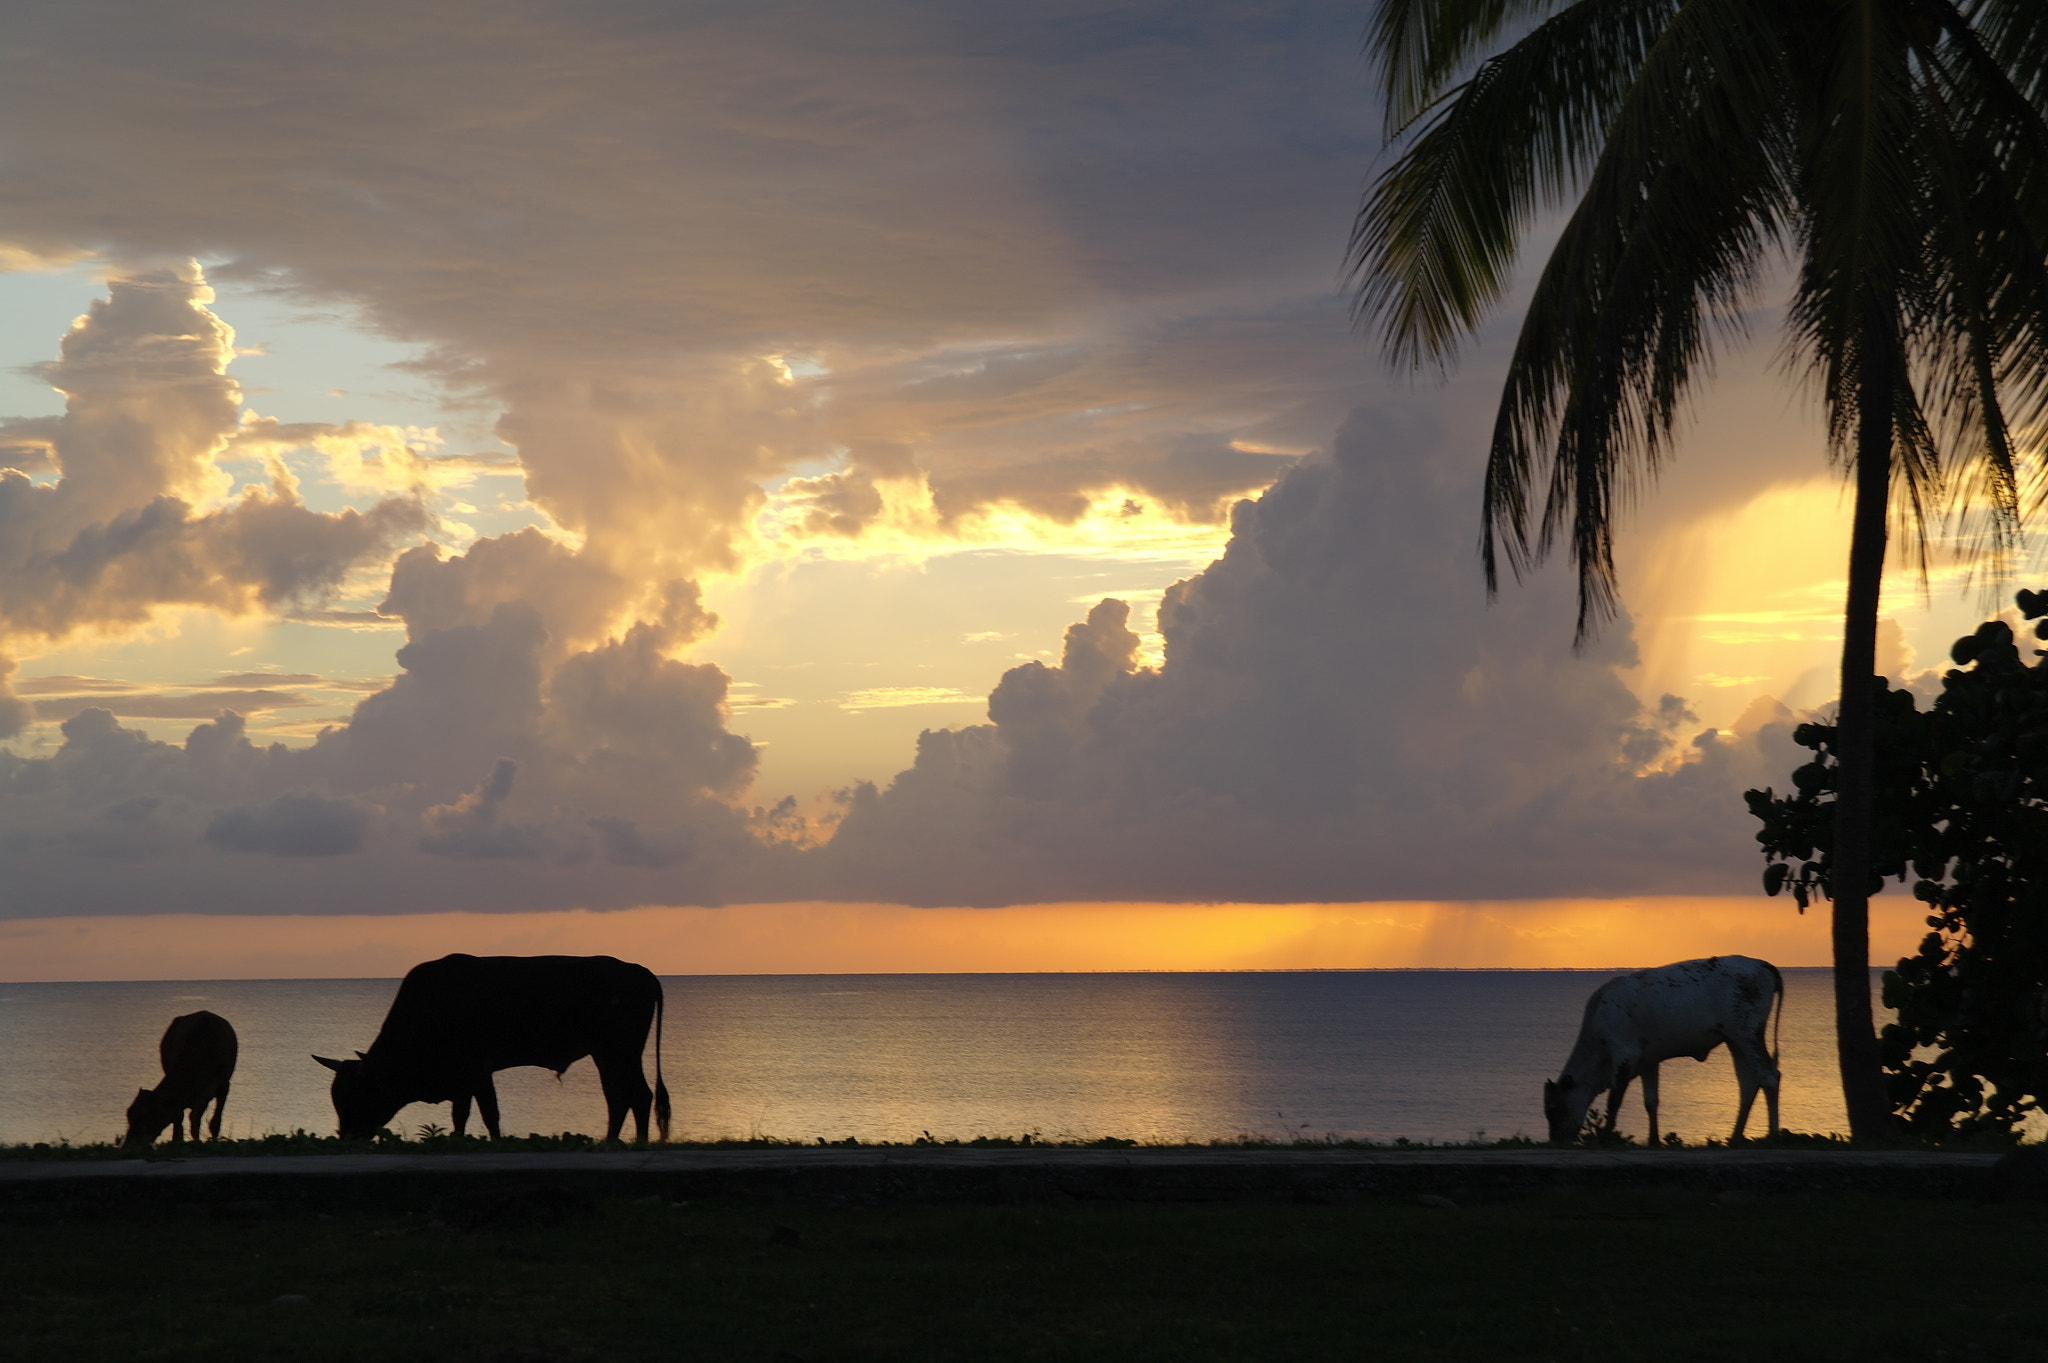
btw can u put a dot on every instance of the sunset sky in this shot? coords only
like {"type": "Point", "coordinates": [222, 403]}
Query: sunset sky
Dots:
{"type": "Point", "coordinates": [793, 486]}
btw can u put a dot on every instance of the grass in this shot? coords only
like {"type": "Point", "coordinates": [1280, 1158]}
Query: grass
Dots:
{"type": "Point", "coordinates": [437, 1140]}
{"type": "Point", "coordinates": [550, 1277]}
{"type": "Point", "coordinates": [432, 1140]}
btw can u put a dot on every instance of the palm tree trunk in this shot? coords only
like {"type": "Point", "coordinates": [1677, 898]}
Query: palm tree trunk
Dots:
{"type": "Point", "coordinates": [1856, 732]}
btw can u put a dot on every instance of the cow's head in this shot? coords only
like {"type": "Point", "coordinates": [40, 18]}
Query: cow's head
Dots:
{"type": "Point", "coordinates": [1565, 1101]}
{"type": "Point", "coordinates": [361, 1104]}
{"type": "Point", "coordinates": [148, 1115]}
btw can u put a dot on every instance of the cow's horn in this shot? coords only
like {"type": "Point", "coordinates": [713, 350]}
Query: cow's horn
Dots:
{"type": "Point", "coordinates": [330, 1064]}
{"type": "Point", "coordinates": [361, 1056]}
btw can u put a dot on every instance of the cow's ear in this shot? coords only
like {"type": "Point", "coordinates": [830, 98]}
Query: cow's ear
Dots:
{"type": "Point", "coordinates": [334, 1065]}
{"type": "Point", "coordinates": [361, 1056]}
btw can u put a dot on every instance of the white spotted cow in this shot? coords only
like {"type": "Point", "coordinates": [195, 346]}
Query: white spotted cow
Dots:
{"type": "Point", "coordinates": [1635, 1022]}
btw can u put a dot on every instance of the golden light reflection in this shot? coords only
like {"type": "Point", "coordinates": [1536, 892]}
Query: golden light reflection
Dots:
{"type": "Point", "coordinates": [821, 938]}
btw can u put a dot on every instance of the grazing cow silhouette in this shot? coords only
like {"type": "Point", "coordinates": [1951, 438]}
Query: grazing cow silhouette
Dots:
{"type": "Point", "coordinates": [1635, 1022]}
{"type": "Point", "coordinates": [198, 1051]}
{"type": "Point", "coordinates": [459, 1020]}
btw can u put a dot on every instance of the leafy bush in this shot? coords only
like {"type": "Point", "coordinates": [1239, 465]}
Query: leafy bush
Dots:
{"type": "Point", "coordinates": [1961, 808]}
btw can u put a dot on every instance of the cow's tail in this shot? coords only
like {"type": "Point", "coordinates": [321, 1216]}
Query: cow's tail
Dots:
{"type": "Point", "coordinates": [1778, 1024]}
{"type": "Point", "coordinates": [661, 1108]}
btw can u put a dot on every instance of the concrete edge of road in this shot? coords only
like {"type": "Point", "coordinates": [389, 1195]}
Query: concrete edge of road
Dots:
{"type": "Point", "coordinates": [837, 1175]}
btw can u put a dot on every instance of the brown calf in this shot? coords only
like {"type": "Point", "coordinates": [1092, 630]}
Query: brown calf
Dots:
{"type": "Point", "coordinates": [198, 1052]}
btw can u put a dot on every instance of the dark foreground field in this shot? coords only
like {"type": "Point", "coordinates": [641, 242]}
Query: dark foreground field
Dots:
{"type": "Point", "coordinates": [1681, 1274]}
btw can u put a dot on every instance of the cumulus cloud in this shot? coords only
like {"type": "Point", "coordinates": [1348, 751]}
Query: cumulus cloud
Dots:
{"type": "Point", "coordinates": [368, 456]}
{"type": "Point", "coordinates": [607, 775]}
{"type": "Point", "coordinates": [298, 825]}
{"type": "Point", "coordinates": [1339, 717]}
{"type": "Point", "coordinates": [27, 444]}
{"type": "Point", "coordinates": [15, 713]}
{"type": "Point", "coordinates": [470, 827]}
{"type": "Point", "coordinates": [777, 280]}
{"type": "Point", "coordinates": [538, 717]}
{"type": "Point", "coordinates": [141, 516]}
{"type": "Point", "coordinates": [688, 254]}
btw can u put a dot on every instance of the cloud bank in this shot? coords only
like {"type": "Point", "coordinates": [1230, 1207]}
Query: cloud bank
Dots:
{"type": "Point", "coordinates": [1339, 716]}
{"type": "Point", "coordinates": [141, 514]}
{"type": "Point", "coordinates": [934, 269]}
{"type": "Point", "coordinates": [772, 283]}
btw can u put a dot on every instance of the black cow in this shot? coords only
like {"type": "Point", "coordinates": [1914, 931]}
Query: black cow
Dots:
{"type": "Point", "coordinates": [459, 1020]}
{"type": "Point", "coordinates": [198, 1052]}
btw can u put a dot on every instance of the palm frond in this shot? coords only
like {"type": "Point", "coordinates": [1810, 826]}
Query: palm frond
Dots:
{"type": "Point", "coordinates": [1982, 347]}
{"type": "Point", "coordinates": [1925, 187]}
{"type": "Point", "coordinates": [1436, 241]}
{"type": "Point", "coordinates": [1661, 257]}
{"type": "Point", "coordinates": [2015, 33]}
{"type": "Point", "coordinates": [1898, 150]}
{"type": "Point", "coordinates": [1420, 47]}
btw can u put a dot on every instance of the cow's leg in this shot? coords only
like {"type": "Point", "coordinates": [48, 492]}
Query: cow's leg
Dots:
{"type": "Point", "coordinates": [1617, 1091]}
{"type": "Point", "coordinates": [1771, 1097]}
{"type": "Point", "coordinates": [1746, 1080]}
{"type": "Point", "coordinates": [198, 1111]}
{"type": "Point", "coordinates": [458, 1115]}
{"type": "Point", "coordinates": [1753, 1071]}
{"type": "Point", "coordinates": [625, 1090]}
{"type": "Point", "coordinates": [487, 1104]}
{"type": "Point", "coordinates": [1650, 1098]}
{"type": "Point", "coordinates": [640, 1099]}
{"type": "Point", "coordinates": [178, 1127]}
{"type": "Point", "coordinates": [220, 1102]}
{"type": "Point", "coordinates": [615, 1105]}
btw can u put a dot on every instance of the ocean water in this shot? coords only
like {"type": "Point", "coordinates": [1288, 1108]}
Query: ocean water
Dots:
{"type": "Point", "coordinates": [1430, 1055]}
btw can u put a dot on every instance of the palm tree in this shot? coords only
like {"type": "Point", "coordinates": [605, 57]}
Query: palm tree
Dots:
{"type": "Point", "coordinates": [1892, 153]}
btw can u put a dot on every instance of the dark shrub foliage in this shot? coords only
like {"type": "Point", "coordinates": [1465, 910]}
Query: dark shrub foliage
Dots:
{"type": "Point", "coordinates": [1961, 809]}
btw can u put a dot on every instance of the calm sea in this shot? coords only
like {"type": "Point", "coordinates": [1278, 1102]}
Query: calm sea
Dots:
{"type": "Point", "coordinates": [1431, 1055]}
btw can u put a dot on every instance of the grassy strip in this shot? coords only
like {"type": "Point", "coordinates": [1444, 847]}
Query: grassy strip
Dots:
{"type": "Point", "coordinates": [549, 1278]}
{"type": "Point", "coordinates": [431, 1140]}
